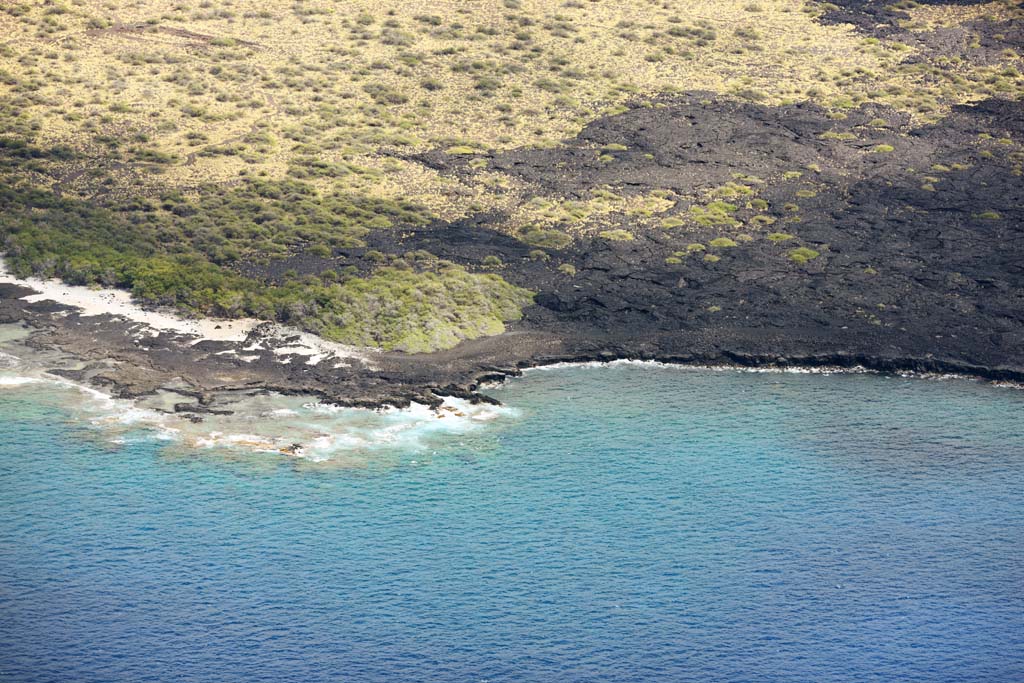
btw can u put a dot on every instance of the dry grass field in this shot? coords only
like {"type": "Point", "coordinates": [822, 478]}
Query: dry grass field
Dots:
{"type": "Point", "coordinates": [343, 92]}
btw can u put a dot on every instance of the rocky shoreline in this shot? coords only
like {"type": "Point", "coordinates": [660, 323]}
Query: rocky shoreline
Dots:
{"type": "Point", "coordinates": [108, 353]}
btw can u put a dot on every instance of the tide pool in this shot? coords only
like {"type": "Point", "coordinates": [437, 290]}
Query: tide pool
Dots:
{"type": "Point", "coordinates": [616, 523]}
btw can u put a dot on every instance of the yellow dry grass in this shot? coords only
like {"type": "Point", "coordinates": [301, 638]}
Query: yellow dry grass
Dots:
{"type": "Point", "coordinates": [262, 87]}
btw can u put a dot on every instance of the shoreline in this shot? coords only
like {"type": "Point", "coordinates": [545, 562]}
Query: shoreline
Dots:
{"type": "Point", "coordinates": [108, 301]}
{"type": "Point", "coordinates": [912, 368]}
{"type": "Point", "coordinates": [309, 429]}
{"type": "Point", "coordinates": [780, 369]}
{"type": "Point", "coordinates": [473, 392]}
{"type": "Point", "coordinates": [305, 428]}
{"type": "Point", "coordinates": [291, 425]}
{"type": "Point", "coordinates": [197, 365]}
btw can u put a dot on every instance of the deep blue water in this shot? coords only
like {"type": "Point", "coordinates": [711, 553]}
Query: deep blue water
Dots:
{"type": "Point", "coordinates": [632, 524]}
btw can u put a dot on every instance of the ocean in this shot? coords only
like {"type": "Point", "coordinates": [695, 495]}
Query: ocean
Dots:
{"type": "Point", "coordinates": [627, 522]}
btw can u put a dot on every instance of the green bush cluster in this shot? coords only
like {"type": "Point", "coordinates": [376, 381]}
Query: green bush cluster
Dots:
{"type": "Point", "coordinates": [415, 311]}
{"type": "Point", "coordinates": [802, 255]}
{"type": "Point", "coordinates": [543, 237]}
{"type": "Point", "coordinates": [617, 235]}
{"type": "Point", "coordinates": [714, 214]}
{"type": "Point", "coordinates": [188, 252]}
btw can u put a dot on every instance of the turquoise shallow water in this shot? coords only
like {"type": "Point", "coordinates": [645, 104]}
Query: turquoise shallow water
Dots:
{"type": "Point", "coordinates": [626, 523]}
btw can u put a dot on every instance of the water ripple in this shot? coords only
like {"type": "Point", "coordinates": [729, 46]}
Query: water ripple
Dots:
{"type": "Point", "coordinates": [632, 524]}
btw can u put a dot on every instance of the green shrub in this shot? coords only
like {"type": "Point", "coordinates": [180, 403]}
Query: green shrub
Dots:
{"type": "Point", "coordinates": [714, 214]}
{"type": "Point", "coordinates": [723, 242]}
{"type": "Point", "coordinates": [541, 237]}
{"type": "Point", "coordinates": [802, 255]}
{"type": "Point", "coordinates": [617, 235]}
{"type": "Point", "coordinates": [730, 190]}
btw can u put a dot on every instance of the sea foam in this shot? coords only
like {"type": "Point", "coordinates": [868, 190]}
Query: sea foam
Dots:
{"type": "Point", "coordinates": [292, 426]}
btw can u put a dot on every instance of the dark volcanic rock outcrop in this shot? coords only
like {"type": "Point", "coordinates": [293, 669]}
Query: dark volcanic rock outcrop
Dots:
{"type": "Point", "coordinates": [920, 233]}
{"type": "Point", "coordinates": [878, 17]}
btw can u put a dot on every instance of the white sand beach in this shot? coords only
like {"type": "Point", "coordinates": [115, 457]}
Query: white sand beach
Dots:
{"type": "Point", "coordinates": [92, 302]}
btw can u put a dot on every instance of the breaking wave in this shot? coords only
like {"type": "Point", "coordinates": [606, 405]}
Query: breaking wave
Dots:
{"type": "Point", "coordinates": [293, 426]}
{"type": "Point", "coordinates": [766, 369]}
